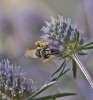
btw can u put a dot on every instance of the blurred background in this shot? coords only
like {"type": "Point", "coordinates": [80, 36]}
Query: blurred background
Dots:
{"type": "Point", "coordinates": [20, 24]}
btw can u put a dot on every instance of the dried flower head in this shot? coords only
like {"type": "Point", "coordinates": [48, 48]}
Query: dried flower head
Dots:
{"type": "Point", "coordinates": [13, 82]}
{"type": "Point", "coordinates": [65, 37]}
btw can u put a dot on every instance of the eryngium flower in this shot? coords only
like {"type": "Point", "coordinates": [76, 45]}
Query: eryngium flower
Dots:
{"type": "Point", "coordinates": [65, 37]}
{"type": "Point", "coordinates": [68, 40]}
{"type": "Point", "coordinates": [13, 82]}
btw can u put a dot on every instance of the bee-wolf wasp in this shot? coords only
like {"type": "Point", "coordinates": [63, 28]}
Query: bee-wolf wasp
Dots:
{"type": "Point", "coordinates": [42, 51]}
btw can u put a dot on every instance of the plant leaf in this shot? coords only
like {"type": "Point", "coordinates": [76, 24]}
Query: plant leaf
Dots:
{"type": "Point", "coordinates": [59, 68]}
{"type": "Point", "coordinates": [82, 53]}
{"type": "Point", "coordinates": [77, 38]}
{"type": "Point", "coordinates": [61, 73]}
{"type": "Point", "coordinates": [88, 44]}
{"type": "Point", "coordinates": [65, 71]}
{"type": "Point", "coordinates": [65, 56]}
{"type": "Point", "coordinates": [56, 78]}
{"type": "Point", "coordinates": [74, 68]}
{"type": "Point", "coordinates": [58, 95]}
{"type": "Point", "coordinates": [85, 48]}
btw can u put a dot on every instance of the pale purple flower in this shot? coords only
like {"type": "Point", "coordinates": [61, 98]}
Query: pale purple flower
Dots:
{"type": "Point", "coordinates": [64, 35]}
{"type": "Point", "coordinates": [14, 82]}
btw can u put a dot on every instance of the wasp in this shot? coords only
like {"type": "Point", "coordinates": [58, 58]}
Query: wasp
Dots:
{"type": "Point", "coordinates": [42, 51]}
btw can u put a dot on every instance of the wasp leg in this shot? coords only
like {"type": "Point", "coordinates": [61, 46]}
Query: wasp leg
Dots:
{"type": "Point", "coordinates": [47, 59]}
{"type": "Point", "coordinates": [38, 42]}
{"type": "Point", "coordinates": [42, 43]}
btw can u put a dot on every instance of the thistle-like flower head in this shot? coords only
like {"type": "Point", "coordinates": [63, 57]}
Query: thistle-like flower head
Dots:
{"type": "Point", "coordinates": [13, 82]}
{"type": "Point", "coordinates": [65, 37]}
{"type": "Point", "coordinates": [69, 41]}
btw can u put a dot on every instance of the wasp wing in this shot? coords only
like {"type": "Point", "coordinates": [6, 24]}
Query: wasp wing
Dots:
{"type": "Point", "coordinates": [31, 53]}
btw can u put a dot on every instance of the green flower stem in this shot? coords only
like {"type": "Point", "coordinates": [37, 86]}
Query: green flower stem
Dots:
{"type": "Point", "coordinates": [75, 56]}
{"type": "Point", "coordinates": [44, 87]}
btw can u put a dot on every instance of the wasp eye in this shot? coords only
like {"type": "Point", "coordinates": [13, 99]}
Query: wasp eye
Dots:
{"type": "Point", "coordinates": [38, 54]}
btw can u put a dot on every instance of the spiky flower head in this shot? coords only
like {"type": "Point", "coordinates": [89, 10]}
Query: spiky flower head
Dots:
{"type": "Point", "coordinates": [65, 37]}
{"type": "Point", "coordinates": [14, 83]}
